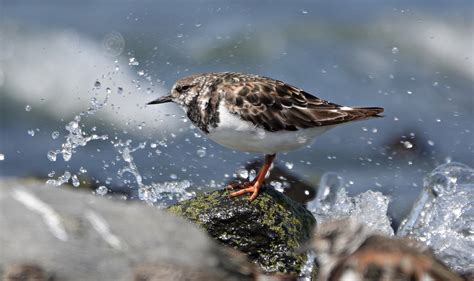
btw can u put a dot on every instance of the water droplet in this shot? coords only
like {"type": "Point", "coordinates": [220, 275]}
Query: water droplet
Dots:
{"type": "Point", "coordinates": [173, 177]}
{"type": "Point", "coordinates": [374, 130]}
{"type": "Point", "coordinates": [243, 173]}
{"type": "Point", "coordinates": [119, 90]}
{"type": "Point", "coordinates": [75, 181]}
{"type": "Point", "coordinates": [31, 133]}
{"type": "Point", "coordinates": [52, 156]}
{"type": "Point", "coordinates": [132, 61]}
{"type": "Point", "coordinates": [51, 174]}
{"type": "Point", "coordinates": [153, 145]}
{"type": "Point", "coordinates": [201, 152]}
{"type": "Point", "coordinates": [101, 190]}
{"type": "Point", "coordinates": [163, 143]}
{"type": "Point", "coordinates": [304, 12]}
{"type": "Point", "coordinates": [64, 178]}
{"type": "Point", "coordinates": [55, 135]}
{"type": "Point", "coordinates": [252, 175]}
{"type": "Point", "coordinates": [82, 170]}
{"type": "Point", "coordinates": [407, 144]}
{"type": "Point", "coordinates": [289, 165]}
{"type": "Point", "coordinates": [395, 50]}
{"type": "Point", "coordinates": [97, 84]}
{"type": "Point", "coordinates": [28, 107]}
{"type": "Point", "coordinates": [438, 120]}
{"type": "Point", "coordinates": [108, 90]}
{"type": "Point", "coordinates": [198, 25]}
{"type": "Point", "coordinates": [179, 35]}
{"type": "Point", "coordinates": [141, 72]}
{"type": "Point", "coordinates": [431, 143]}
{"type": "Point", "coordinates": [277, 185]}
{"type": "Point", "coordinates": [2, 156]}
{"type": "Point", "coordinates": [409, 92]}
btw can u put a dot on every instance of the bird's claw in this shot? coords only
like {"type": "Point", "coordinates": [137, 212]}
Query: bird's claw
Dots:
{"type": "Point", "coordinates": [239, 185]}
{"type": "Point", "coordinates": [247, 187]}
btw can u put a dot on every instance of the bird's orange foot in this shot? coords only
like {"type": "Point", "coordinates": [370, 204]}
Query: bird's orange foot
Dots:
{"type": "Point", "coordinates": [239, 185]}
{"type": "Point", "coordinates": [248, 187]}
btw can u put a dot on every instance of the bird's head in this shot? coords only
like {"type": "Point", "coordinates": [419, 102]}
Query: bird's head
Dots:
{"type": "Point", "coordinates": [183, 91]}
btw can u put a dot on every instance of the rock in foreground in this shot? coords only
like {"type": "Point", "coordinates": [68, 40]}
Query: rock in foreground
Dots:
{"type": "Point", "coordinates": [49, 233]}
{"type": "Point", "coordinates": [270, 230]}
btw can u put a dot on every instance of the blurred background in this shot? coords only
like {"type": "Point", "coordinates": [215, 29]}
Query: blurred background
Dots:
{"type": "Point", "coordinates": [96, 63]}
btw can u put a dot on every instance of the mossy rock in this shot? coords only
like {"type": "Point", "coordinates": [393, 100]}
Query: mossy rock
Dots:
{"type": "Point", "coordinates": [271, 230]}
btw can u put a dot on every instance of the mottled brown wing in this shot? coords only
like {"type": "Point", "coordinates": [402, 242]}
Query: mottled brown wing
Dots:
{"type": "Point", "coordinates": [383, 258]}
{"type": "Point", "coordinates": [274, 105]}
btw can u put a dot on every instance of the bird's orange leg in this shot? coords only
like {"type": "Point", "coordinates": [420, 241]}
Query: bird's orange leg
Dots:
{"type": "Point", "coordinates": [242, 185]}
{"type": "Point", "coordinates": [255, 185]}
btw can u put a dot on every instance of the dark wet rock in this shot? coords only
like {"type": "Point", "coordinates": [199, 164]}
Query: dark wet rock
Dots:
{"type": "Point", "coordinates": [51, 233]}
{"type": "Point", "coordinates": [271, 230]}
{"type": "Point", "coordinates": [410, 144]}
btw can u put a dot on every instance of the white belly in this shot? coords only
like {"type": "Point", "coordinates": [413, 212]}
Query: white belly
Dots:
{"type": "Point", "coordinates": [234, 133]}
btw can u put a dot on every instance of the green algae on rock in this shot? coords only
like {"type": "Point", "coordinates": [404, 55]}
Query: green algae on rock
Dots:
{"type": "Point", "coordinates": [271, 230]}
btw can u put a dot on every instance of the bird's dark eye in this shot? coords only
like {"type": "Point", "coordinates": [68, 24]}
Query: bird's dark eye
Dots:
{"type": "Point", "coordinates": [183, 88]}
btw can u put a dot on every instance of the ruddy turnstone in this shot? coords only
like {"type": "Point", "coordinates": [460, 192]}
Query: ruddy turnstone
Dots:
{"type": "Point", "coordinates": [348, 250]}
{"type": "Point", "coordinates": [257, 114]}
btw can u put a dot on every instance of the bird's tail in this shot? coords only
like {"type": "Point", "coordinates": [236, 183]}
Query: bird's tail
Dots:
{"type": "Point", "coordinates": [369, 111]}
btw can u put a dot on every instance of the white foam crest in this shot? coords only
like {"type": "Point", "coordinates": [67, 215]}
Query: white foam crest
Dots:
{"type": "Point", "coordinates": [75, 62]}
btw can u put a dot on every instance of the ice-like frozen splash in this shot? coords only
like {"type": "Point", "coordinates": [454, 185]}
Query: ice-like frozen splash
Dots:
{"type": "Point", "coordinates": [332, 203]}
{"type": "Point", "coordinates": [443, 216]}
{"type": "Point", "coordinates": [307, 268]}
{"type": "Point", "coordinates": [155, 193]}
{"type": "Point", "coordinates": [60, 180]}
{"type": "Point", "coordinates": [77, 136]}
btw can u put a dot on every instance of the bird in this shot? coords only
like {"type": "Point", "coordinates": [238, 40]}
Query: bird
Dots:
{"type": "Point", "coordinates": [348, 250]}
{"type": "Point", "coordinates": [258, 114]}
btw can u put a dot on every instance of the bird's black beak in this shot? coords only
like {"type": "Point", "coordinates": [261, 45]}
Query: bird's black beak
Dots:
{"type": "Point", "coordinates": [161, 100]}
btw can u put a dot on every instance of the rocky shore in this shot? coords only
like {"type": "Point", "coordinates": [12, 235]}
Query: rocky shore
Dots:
{"type": "Point", "coordinates": [51, 233]}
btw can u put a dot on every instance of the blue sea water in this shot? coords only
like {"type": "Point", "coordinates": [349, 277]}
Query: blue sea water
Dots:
{"type": "Point", "coordinates": [414, 58]}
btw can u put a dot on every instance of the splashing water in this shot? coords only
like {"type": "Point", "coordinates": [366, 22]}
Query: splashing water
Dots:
{"type": "Point", "coordinates": [77, 137]}
{"type": "Point", "coordinates": [61, 179]}
{"type": "Point", "coordinates": [332, 203]}
{"type": "Point", "coordinates": [443, 216]}
{"type": "Point", "coordinates": [155, 193]}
